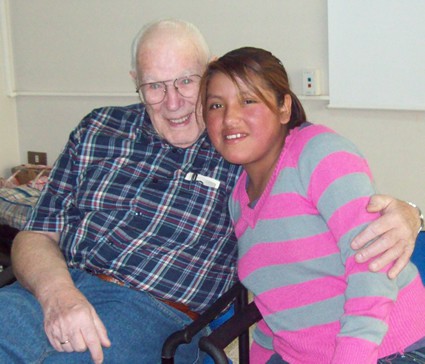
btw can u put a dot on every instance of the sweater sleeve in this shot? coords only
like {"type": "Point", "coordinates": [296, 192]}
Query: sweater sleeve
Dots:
{"type": "Point", "coordinates": [262, 344]}
{"type": "Point", "coordinates": [340, 185]}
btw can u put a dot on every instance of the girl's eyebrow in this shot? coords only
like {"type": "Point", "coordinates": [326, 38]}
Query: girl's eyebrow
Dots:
{"type": "Point", "coordinates": [212, 96]}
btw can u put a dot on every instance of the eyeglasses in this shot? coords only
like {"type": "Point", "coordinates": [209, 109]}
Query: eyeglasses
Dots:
{"type": "Point", "coordinates": [154, 92]}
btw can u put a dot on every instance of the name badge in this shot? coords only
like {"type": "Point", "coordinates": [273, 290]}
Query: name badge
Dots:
{"type": "Point", "coordinates": [207, 181]}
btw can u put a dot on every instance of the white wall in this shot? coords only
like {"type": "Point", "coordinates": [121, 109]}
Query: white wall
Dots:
{"type": "Point", "coordinates": [69, 54]}
{"type": "Point", "coordinates": [9, 146]}
{"type": "Point", "coordinates": [9, 150]}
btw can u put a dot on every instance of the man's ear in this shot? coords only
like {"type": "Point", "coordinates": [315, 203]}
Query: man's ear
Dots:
{"type": "Point", "coordinates": [133, 75]}
{"type": "Point", "coordinates": [212, 59]}
{"type": "Point", "coordinates": [285, 109]}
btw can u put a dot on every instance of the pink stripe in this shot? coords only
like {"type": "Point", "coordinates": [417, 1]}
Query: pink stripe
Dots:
{"type": "Point", "coordinates": [262, 326]}
{"type": "Point", "coordinates": [258, 354]}
{"type": "Point", "coordinates": [326, 173]}
{"type": "Point", "coordinates": [240, 227]}
{"type": "Point", "coordinates": [313, 345]}
{"type": "Point", "coordinates": [299, 295]}
{"type": "Point", "coordinates": [349, 216]}
{"type": "Point", "coordinates": [298, 206]}
{"type": "Point", "coordinates": [291, 251]}
{"type": "Point", "coordinates": [376, 307]}
{"type": "Point", "coordinates": [351, 350]}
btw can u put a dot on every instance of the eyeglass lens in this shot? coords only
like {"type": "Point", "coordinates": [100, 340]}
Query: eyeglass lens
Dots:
{"type": "Point", "coordinates": [154, 92]}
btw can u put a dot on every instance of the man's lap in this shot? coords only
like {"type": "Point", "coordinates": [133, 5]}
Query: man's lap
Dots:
{"type": "Point", "coordinates": [137, 324]}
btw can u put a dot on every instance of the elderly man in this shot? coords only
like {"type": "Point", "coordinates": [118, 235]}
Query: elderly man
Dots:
{"type": "Point", "coordinates": [131, 238]}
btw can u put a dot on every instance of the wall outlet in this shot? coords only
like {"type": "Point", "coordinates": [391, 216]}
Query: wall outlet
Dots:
{"type": "Point", "coordinates": [37, 158]}
{"type": "Point", "coordinates": [311, 82]}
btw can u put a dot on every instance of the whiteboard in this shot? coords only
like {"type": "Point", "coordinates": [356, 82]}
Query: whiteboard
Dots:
{"type": "Point", "coordinates": [377, 54]}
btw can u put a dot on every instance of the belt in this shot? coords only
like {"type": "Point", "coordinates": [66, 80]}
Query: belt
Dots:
{"type": "Point", "coordinates": [178, 306]}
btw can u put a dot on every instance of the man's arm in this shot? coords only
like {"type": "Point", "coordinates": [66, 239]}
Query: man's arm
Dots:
{"type": "Point", "coordinates": [396, 231]}
{"type": "Point", "coordinates": [39, 266]}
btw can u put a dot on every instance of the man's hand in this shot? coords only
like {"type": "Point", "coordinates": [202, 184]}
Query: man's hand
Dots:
{"type": "Point", "coordinates": [71, 323]}
{"type": "Point", "coordinates": [395, 232]}
{"type": "Point", "coordinates": [68, 317]}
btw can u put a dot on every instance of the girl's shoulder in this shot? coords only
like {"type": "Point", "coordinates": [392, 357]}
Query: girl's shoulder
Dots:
{"type": "Point", "coordinates": [310, 143]}
{"type": "Point", "coordinates": [310, 137]}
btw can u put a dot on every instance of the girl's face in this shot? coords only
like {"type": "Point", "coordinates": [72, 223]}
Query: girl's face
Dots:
{"type": "Point", "coordinates": [241, 126]}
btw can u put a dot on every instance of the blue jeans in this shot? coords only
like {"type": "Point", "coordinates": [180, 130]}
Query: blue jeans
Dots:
{"type": "Point", "coordinates": [137, 325]}
{"type": "Point", "coordinates": [415, 356]}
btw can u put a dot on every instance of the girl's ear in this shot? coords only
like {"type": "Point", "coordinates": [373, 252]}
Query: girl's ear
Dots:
{"type": "Point", "coordinates": [285, 109]}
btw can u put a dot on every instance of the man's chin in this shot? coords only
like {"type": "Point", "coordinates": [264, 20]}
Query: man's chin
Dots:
{"type": "Point", "coordinates": [183, 139]}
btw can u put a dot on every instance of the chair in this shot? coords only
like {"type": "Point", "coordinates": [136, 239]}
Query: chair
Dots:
{"type": "Point", "coordinates": [6, 273]}
{"type": "Point", "coordinates": [245, 315]}
{"type": "Point", "coordinates": [418, 256]}
{"type": "Point", "coordinates": [7, 235]}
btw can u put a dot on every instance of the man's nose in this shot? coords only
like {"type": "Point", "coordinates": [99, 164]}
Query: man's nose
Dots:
{"type": "Point", "coordinates": [172, 97]}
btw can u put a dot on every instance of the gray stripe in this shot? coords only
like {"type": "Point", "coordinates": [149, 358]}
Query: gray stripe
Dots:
{"type": "Point", "coordinates": [367, 328]}
{"type": "Point", "coordinates": [278, 230]}
{"type": "Point", "coordinates": [345, 241]}
{"type": "Point", "coordinates": [234, 210]}
{"type": "Point", "coordinates": [261, 339]}
{"type": "Point", "coordinates": [288, 181]}
{"type": "Point", "coordinates": [343, 190]}
{"type": "Point", "coordinates": [320, 147]}
{"type": "Point", "coordinates": [270, 277]}
{"type": "Point", "coordinates": [320, 313]}
{"type": "Point", "coordinates": [371, 284]}
{"type": "Point", "coordinates": [407, 275]}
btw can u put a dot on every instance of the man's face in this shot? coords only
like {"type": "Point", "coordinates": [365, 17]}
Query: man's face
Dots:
{"type": "Point", "coordinates": [174, 118]}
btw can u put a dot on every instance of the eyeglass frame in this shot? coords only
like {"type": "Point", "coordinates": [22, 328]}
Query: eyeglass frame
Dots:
{"type": "Point", "coordinates": [165, 88]}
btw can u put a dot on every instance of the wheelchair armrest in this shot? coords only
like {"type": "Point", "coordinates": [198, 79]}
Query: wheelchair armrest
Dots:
{"type": "Point", "coordinates": [5, 260]}
{"type": "Point", "coordinates": [6, 276]}
{"type": "Point", "coordinates": [185, 336]}
{"type": "Point", "coordinates": [221, 337]}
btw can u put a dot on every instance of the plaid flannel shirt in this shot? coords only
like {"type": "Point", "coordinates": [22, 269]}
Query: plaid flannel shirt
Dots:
{"type": "Point", "coordinates": [119, 196]}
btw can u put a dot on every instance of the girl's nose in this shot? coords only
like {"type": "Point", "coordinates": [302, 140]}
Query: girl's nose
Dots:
{"type": "Point", "coordinates": [232, 115]}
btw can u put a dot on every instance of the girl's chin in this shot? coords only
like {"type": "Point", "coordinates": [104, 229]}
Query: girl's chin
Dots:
{"type": "Point", "coordinates": [234, 159]}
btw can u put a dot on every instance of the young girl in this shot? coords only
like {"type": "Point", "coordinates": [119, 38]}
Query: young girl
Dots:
{"type": "Point", "coordinates": [300, 201]}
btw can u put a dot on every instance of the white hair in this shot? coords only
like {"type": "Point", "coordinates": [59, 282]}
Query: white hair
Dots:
{"type": "Point", "coordinates": [175, 26]}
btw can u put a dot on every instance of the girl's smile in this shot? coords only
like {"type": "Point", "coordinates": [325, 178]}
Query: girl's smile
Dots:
{"type": "Point", "coordinates": [242, 127]}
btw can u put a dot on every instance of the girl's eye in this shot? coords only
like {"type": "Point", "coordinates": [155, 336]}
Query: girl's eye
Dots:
{"type": "Point", "coordinates": [249, 101]}
{"type": "Point", "coordinates": [214, 106]}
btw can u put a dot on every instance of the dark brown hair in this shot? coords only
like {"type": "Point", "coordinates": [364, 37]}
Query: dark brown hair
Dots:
{"type": "Point", "coordinates": [252, 65]}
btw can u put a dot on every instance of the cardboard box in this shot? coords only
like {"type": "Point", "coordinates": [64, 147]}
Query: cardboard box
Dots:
{"type": "Point", "coordinates": [28, 172]}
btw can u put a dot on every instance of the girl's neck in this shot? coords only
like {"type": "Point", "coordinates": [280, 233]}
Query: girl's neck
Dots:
{"type": "Point", "coordinates": [260, 172]}
{"type": "Point", "coordinates": [258, 179]}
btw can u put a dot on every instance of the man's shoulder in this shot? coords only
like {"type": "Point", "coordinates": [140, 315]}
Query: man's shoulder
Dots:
{"type": "Point", "coordinates": [117, 113]}
{"type": "Point", "coordinates": [113, 119]}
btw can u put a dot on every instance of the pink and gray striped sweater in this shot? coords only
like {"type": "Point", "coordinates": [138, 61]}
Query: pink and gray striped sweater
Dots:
{"type": "Point", "coordinates": [318, 304]}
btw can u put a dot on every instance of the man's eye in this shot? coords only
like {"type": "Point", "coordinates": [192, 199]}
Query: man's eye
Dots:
{"type": "Point", "coordinates": [155, 86]}
{"type": "Point", "coordinates": [185, 81]}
